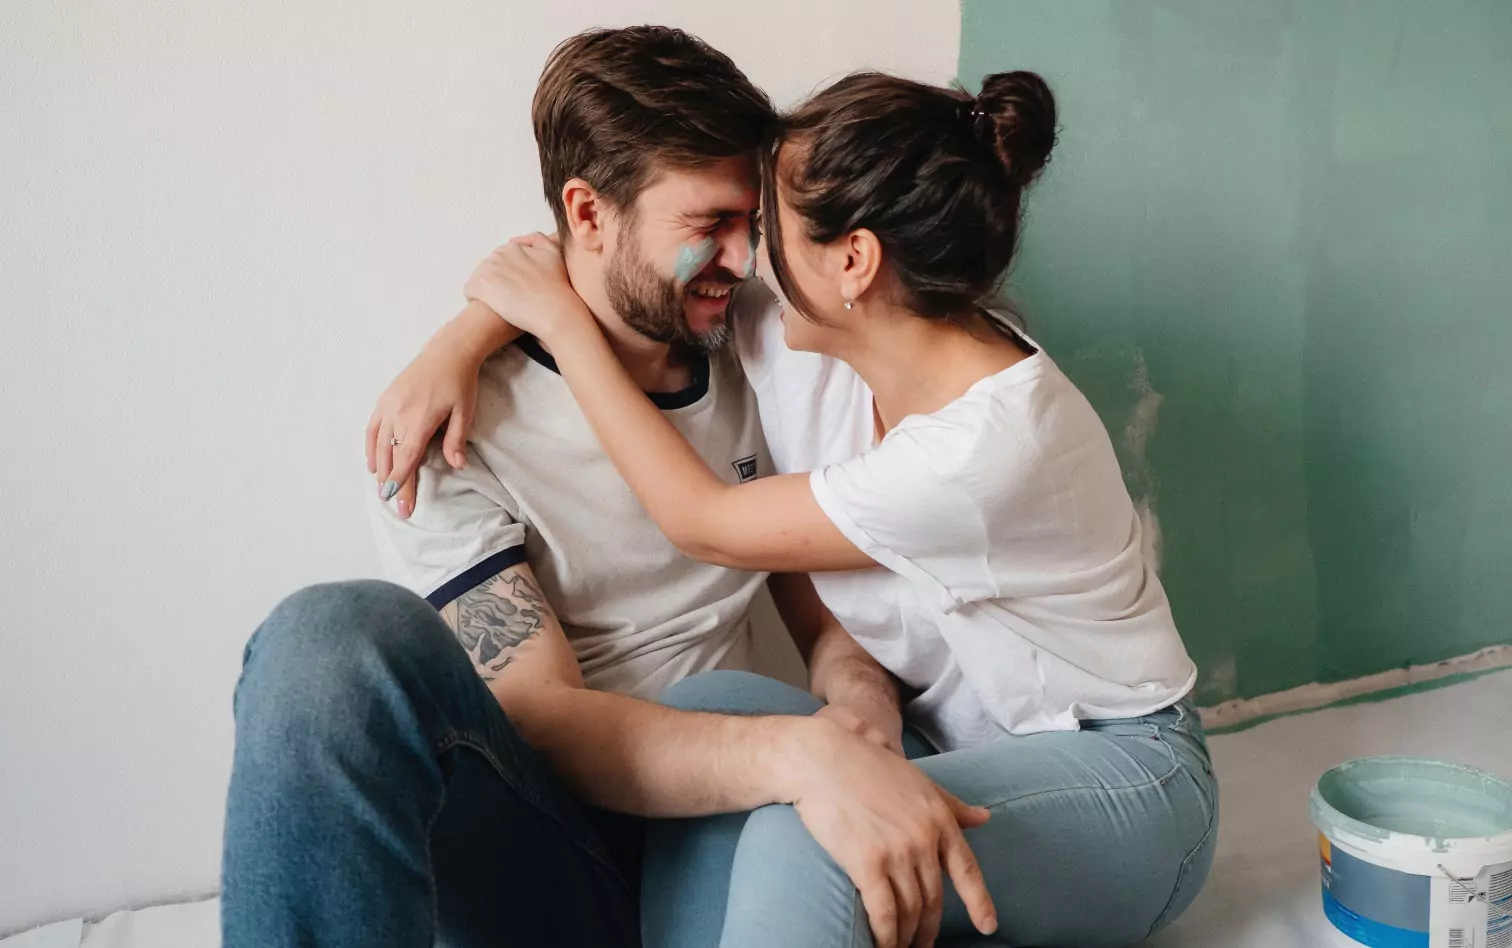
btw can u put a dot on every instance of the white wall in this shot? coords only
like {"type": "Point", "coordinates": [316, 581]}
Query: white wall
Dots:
{"type": "Point", "coordinates": [225, 226]}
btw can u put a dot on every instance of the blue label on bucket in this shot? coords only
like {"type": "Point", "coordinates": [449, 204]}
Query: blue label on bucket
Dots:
{"type": "Point", "coordinates": [1374, 905]}
{"type": "Point", "coordinates": [1368, 931]}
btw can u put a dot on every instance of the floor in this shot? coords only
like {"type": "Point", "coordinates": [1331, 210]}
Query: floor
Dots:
{"type": "Point", "coordinates": [1263, 892]}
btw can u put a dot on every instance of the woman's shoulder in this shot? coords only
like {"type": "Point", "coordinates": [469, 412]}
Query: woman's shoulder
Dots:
{"type": "Point", "coordinates": [1004, 422]}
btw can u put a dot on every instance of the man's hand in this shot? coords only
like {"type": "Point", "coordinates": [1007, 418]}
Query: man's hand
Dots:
{"type": "Point", "coordinates": [892, 830]}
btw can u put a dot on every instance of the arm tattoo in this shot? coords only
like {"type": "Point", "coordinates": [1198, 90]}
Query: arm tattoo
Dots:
{"type": "Point", "coordinates": [496, 617]}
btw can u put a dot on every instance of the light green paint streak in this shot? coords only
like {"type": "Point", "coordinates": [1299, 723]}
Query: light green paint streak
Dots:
{"type": "Point", "coordinates": [692, 257]}
{"type": "Point", "coordinates": [1298, 215]}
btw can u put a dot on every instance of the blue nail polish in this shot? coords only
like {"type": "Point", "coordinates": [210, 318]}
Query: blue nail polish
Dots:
{"type": "Point", "coordinates": [390, 488]}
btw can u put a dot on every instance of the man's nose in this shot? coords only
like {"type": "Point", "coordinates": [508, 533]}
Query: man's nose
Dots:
{"type": "Point", "coordinates": [737, 250]}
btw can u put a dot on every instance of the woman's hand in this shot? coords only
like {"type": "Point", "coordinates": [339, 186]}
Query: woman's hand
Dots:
{"type": "Point", "coordinates": [439, 386]}
{"type": "Point", "coordinates": [436, 388]}
{"type": "Point", "coordinates": [525, 281]}
{"type": "Point", "coordinates": [894, 832]}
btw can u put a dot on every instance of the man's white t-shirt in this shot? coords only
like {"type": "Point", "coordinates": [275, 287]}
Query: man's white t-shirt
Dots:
{"type": "Point", "coordinates": [538, 488]}
{"type": "Point", "coordinates": [1013, 592]}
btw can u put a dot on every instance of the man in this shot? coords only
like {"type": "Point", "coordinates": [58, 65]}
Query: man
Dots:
{"type": "Point", "coordinates": [391, 788]}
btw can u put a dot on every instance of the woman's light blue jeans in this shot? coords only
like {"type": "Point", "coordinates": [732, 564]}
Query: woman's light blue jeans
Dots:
{"type": "Point", "coordinates": [1098, 837]}
{"type": "Point", "coordinates": [380, 798]}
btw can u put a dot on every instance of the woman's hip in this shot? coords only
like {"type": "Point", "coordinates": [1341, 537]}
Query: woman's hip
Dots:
{"type": "Point", "coordinates": [1097, 837]}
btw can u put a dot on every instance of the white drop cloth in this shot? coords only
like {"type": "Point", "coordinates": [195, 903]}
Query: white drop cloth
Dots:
{"type": "Point", "coordinates": [1263, 892]}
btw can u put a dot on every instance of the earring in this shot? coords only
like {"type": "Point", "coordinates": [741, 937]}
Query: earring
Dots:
{"type": "Point", "coordinates": [850, 304]}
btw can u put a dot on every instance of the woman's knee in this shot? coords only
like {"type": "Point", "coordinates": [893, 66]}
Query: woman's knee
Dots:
{"type": "Point", "coordinates": [738, 692]}
{"type": "Point", "coordinates": [785, 889]}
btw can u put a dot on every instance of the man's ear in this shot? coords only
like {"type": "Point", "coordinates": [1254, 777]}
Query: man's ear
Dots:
{"type": "Point", "coordinates": [862, 263]}
{"type": "Point", "coordinates": [585, 214]}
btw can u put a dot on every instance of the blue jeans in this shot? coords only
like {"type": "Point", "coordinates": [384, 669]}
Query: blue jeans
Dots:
{"type": "Point", "coordinates": [380, 797]}
{"type": "Point", "coordinates": [1098, 837]}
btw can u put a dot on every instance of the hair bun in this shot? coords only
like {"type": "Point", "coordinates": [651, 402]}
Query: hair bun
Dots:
{"type": "Point", "coordinates": [1019, 111]}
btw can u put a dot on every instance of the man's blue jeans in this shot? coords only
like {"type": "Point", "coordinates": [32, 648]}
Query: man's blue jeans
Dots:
{"type": "Point", "coordinates": [381, 798]}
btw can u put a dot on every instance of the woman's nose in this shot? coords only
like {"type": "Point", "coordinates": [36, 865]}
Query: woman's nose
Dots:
{"type": "Point", "coordinates": [764, 265]}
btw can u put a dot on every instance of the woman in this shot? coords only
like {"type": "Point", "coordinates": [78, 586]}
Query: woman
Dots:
{"type": "Point", "coordinates": [931, 439]}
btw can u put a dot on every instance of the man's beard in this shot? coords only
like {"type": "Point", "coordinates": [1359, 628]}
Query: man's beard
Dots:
{"type": "Point", "coordinates": [653, 305]}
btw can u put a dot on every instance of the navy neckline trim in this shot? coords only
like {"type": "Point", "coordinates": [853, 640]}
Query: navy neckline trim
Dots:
{"type": "Point", "coordinates": [666, 401]}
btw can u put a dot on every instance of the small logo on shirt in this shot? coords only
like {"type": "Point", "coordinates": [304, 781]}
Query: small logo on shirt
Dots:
{"type": "Point", "coordinates": [745, 468]}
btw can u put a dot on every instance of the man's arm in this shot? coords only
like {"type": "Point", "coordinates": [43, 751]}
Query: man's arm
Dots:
{"type": "Point", "coordinates": [616, 752]}
{"type": "Point", "coordinates": [883, 821]}
{"type": "Point", "coordinates": [496, 619]}
{"type": "Point", "coordinates": [841, 672]}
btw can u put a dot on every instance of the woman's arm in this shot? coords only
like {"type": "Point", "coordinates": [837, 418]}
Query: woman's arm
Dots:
{"type": "Point", "coordinates": [770, 524]}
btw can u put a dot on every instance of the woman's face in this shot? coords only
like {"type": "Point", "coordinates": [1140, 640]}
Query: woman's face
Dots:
{"type": "Point", "coordinates": [812, 267]}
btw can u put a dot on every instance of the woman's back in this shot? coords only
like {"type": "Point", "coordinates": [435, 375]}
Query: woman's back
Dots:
{"type": "Point", "coordinates": [1014, 592]}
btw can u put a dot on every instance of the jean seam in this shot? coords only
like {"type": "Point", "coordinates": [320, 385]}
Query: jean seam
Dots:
{"type": "Point", "coordinates": [430, 861]}
{"type": "Point", "coordinates": [1182, 872]}
{"type": "Point", "coordinates": [455, 739]}
{"type": "Point", "coordinates": [857, 913]}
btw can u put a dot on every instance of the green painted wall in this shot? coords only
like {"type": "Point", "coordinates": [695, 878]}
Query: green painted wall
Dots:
{"type": "Point", "coordinates": [1275, 249]}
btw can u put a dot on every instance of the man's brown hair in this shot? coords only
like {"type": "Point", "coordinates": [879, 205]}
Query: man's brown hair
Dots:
{"type": "Point", "coordinates": [613, 106]}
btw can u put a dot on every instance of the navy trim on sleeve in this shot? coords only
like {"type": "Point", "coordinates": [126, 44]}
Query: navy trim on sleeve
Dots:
{"type": "Point", "coordinates": [475, 576]}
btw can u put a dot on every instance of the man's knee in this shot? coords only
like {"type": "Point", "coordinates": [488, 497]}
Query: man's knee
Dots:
{"type": "Point", "coordinates": [322, 641]}
{"type": "Point", "coordinates": [738, 692]}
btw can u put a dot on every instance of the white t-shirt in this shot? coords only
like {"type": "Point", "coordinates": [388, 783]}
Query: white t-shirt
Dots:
{"type": "Point", "coordinates": [538, 488]}
{"type": "Point", "coordinates": [1013, 593]}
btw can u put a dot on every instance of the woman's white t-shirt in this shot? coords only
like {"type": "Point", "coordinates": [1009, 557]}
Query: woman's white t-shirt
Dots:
{"type": "Point", "coordinates": [1014, 594]}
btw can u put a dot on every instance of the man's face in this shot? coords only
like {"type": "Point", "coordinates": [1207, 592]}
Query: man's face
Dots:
{"type": "Point", "coordinates": [688, 242]}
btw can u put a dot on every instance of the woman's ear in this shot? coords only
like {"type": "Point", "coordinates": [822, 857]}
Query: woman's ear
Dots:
{"type": "Point", "coordinates": [585, 214]}
{"type": "Point", "coordinates": [862, 263]}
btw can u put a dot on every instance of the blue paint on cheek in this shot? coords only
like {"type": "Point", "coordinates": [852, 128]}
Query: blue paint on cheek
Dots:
{"type": "Point", "coordinates": [693, 257]}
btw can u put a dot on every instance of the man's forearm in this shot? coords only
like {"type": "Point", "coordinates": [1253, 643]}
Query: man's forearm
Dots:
{"type": "Point", "coordinates": [842, 672]}
{"type": "Point", "coordinates": [633, 756]}
{"type": "Point", "coordinates": [614, 751]}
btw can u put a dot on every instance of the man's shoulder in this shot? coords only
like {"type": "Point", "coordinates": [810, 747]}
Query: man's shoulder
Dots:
{"type": "Point", "coordinates": [516, 391]}
{"type": "Point", "coordinates": [505, 367]}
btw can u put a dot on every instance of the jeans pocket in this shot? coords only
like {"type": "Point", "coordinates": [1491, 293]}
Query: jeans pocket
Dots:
{"type": "Point", "coordinates": [1123, 727]}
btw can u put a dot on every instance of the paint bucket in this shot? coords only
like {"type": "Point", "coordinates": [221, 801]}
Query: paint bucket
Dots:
{"type": "Point", "coordinates": [1415, 853]}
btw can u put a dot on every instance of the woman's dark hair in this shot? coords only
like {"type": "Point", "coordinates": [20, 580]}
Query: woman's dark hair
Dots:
{"type": "Point", "coordinates": [936, 174]}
